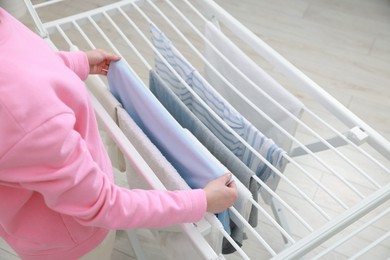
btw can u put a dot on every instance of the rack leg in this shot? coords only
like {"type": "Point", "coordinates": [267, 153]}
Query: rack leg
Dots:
{"type": "Point", "coordinates": [280, 218]}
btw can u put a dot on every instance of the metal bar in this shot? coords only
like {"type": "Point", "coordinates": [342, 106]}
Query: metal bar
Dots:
{"type": "Point", "coordinates": [306, 244]}
{"type": "Point", "coordinates": [355, 232]}
{"type": "Point", "coordinates": [37, 20]}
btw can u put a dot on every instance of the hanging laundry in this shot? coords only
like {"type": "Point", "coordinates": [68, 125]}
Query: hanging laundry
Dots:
{"type": "Point", "coordinates": [167, 238]}
{"type": "Point", "coordinates": [189, 121]}
{"type": "Point", "coordinates": [165, 172]}
{"type": "Point", "coordinates": [215, 102]}
{"type": "Point", "coordinates": [260, 78]}
{"type": "Point", "coordinates": [162, 129]}
{"type": "Point", "coordinates": [110, 104]}
{"type": "Point", "coordinates": [242, 204]}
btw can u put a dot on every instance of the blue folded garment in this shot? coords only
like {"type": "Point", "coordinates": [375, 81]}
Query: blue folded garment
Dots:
{"type": "Point", "coordinates": [168, 136]}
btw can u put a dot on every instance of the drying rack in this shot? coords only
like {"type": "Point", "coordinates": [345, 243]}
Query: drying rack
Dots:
{"type": "Point", "coordinates": [336, 185]}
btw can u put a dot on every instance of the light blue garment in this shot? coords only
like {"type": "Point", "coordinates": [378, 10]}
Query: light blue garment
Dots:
{"type": "Point", "coordinates": [167, 135]}
{"type": "Point", "coordinates": [264, 146]}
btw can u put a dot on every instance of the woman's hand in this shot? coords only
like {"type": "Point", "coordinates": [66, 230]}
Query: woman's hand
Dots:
{"type": "Point", "coordinates": [219, 195]}
{"type": "Point", "coordinates": [99, 61]}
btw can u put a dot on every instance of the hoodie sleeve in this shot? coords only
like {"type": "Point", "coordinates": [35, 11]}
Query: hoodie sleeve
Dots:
{"type": "Point", "coordinates": [60, 168]}
{"type": "Point", "coordinates": [76, 61]}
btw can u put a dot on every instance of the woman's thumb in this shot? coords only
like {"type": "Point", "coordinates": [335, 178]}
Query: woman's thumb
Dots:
{"type": "Point", "coordinates": [228, 178]}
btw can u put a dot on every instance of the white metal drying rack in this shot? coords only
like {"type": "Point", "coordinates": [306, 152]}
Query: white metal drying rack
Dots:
{"type": "Point", "coordinates": [354, 134]}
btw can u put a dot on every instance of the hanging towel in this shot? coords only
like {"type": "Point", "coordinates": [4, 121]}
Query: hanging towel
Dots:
{"type": "Point", "coordinates": [259, 77]}
{"type": "Point", "coordinates": [189, 121]}
{"type": "Point", "coordinates": [110, 104]}
{"type": "Point", "coordinates": [162, 129]}
{"type": "Point", "coordinates": [167, 174]}
{"type": "Point", "coordinates": [266, 147]}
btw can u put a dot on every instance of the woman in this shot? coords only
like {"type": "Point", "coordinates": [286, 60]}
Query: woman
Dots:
{"type": "Point", "coordinates": [58, 199]}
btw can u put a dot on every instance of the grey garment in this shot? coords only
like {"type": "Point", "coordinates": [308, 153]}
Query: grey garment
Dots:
{"type": "Point", "coordinates": [189, 121]}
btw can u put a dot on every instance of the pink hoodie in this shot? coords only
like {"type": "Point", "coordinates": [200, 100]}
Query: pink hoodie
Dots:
{"type": "Point", "coordinates": [57, 196]}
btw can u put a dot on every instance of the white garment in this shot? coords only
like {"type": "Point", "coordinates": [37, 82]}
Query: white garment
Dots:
{"type": "Point", "coordinates": [260, 78]}
{"type": "Point", "coordinates": [97, 87]}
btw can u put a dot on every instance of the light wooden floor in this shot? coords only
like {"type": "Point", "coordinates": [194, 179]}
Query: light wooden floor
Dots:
{"type": "Point", "coordinates": [343, 45]}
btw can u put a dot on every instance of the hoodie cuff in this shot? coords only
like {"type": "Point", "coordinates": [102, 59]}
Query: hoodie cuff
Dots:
{"type": "Point", "coordinates": [76, 61]}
